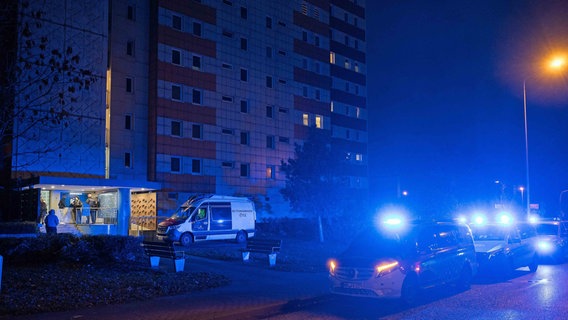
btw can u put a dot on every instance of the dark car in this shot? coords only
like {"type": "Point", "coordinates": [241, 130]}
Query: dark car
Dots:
{"type": "Point", "coordinates": [382, 264]}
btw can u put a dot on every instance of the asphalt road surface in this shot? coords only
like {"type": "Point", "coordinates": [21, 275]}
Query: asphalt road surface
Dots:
{"type": "Point", "coordinates": [540, 295]}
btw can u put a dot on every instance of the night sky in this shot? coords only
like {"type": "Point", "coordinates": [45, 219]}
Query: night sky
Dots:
{"type": "Point", "coordinates": [445, 94]}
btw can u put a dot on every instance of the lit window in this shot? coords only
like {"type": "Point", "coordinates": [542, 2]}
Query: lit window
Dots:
{"type": "Point", "coordinates": [347, 64]}
{"type": "Point", "coordinates": [305, 119]}
{"type": "Point", "coordinates": [358, 112]}
{"type": "Point", "coordinates": [331, 106]}
{"type": "Point", "coordinates": [332, 57]}
{"type": "Point", "coordinates": [359, 157]}
{"type": "Point", "coordinates": [319, 122]}
{"type": "Point", "coordinates": [270, 172]}
{"type": "Point", "coordinates": [356, 67]}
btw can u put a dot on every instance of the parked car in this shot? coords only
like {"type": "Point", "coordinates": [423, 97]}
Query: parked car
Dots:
{"type": "Point", "coordinates": [503, 248]}
{"type": "Point", "coordinates": [400, 264]}
{"type": "Point", "coordinates": [552, 240]}
{"type": "Point", "coordinates": [210, 217]}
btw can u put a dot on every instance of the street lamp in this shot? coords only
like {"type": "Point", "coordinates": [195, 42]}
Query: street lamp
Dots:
{"type": "Point", "coordinates": [522, 190]}
{"type": "Point", "coordinates": [555, 64]}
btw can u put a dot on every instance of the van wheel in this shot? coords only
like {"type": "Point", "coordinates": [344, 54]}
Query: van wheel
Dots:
{"type": "Point", "coordinates": [464, 281]}
{"type": "Point", "coordinates": [186, 239]}
{"type": "Point", "coordinates": [533, 266]}
{"type": "Point", "coordinates": [410, 291]}
{"type": "Point", "coordinates": [241, 237]}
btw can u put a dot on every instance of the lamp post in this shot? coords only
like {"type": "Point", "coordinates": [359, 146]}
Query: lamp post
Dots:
{"type": "Point", "coordinates": [526, 148]}
{"type": "Point", "coordinates": [522, 190]}
{"type": "Point", "coordinates": [556, 63]}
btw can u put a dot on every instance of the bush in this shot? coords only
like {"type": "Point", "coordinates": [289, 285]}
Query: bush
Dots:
{"type": "Point", "coordinates": [67, 248]}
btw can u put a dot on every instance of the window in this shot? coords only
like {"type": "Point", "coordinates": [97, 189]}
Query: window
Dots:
{"type": "Point", "coordinates": [318, 94]}
{"type": "Point", "coordinates": [196, 96]}
{"type": "Point", "coordinates": [196, 131]}
{"type": "Point", "coordinates": [176, 22]}
{"type": "Point", "coordinates": [269, 112]}
{"type": "Point", "coordinates": [305, 119]}
{"type": "Point", "coordinates": [317, 41]}
{"type": "Point", "coordinates": [270, 142]}
{"type": "Point", "coordinates": [345, 17]}
{"type": "Point", "coordinates": [244, 138]}
{"type": "Point", "coordinates": [176, 129]}
{"type": "Point", "coordinates": [304, 9]}
{"type": "Point", "coordinates": [304, 36]}
{"type": "Point", "coordinates": [176, 57]}
{"type": "Point", "coordinates": [347, 64]}
{"type": "Point", "coordinates": [282, 52]}
{"type": "Point", "coordinates": [356, 89]}
{"type": "Point", "coordinates": [127, 160]}
{"type": "Point", "coordinates": [244, 74]}
{"type": "Point", "coordinates": [244, 44]}
{"type": "Point", "coordinates": [317, 68]}
{"type": "Point", "coordinates": [269, 52]}
{"type": "Point", "coordinates": [195, 166]}
{"type": "Point", "coordinates": [305, 91]}
{"type": "Point", "coordinates": [304, 63]}
{"type": "Point", "coordinates": [356, 67]}
{"type": "Point", "coordinates": [269, 82]}
{"type": "Point", "coordinates": [228, 2]}
{"type": "Point", "coordinates": [227, 33]}
{"type": "Point", "coordinates": [346, 41]}
{"type": "Point", "coordinates": [131, 13]}
{"type": "Point", "coordinates": [319, 122]}
{"type": "Point", "coordinates": [270, 172]}
{"type": "Point", "coordinates": [356, 44]}
{"type": "Point", "coordinates": [268, 23]}
{"type": "Point", "coordinates": [283, 110]}
{"type": "Point", "coordinates": [227, 99]}
{"type": "Point", "coordinates": [197, 31]}
{"type": "Point", "coordinates": [227, 66]}
{"type": "Point", "coordinates": [358, 157]}
{"type": "Point", "coordinates": [130, 48]}
{"type": "Point", "coordinates": [245, 169]}
{"type": "Point", "coordinates": [244, 13]}
{"type": "Point", "coordinates": [227, 131]}
{"type": "Point", "coordinates": [227, 164]}
{"type": "Point", "coordinates": [244, 106]}
{"type": "Point", "coordinates": [284, 139]}
{"type": "Point", "coordinates": [175, 164]}
{"type": "Point", "coordinates": [332, 57]}
{"type": "Point", "coordinates": [176, 92]}
{"type": "Point", "coordinates": [129, 86]}
{"type": "Point", "coordinates": [128, 122]}
{"type": "Point", "coordinates": [196, 62]}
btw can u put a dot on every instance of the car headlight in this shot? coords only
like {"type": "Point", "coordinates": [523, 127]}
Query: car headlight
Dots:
{"type": "Point", "coordinates": [545, 246]}
{"type": "Point", "coordinates": [385, 268]}
{"type": "Point", "coordinates": [332, 264]}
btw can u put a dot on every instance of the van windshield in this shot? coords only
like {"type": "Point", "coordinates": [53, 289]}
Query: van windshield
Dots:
{"type": "Point", "coordinates": [373, 244]}
{"type": "Point", "coordinates": [182, 213]}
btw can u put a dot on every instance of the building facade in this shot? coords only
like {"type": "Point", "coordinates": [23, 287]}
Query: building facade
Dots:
{"type": "Point", "coordinates": [206, 97]}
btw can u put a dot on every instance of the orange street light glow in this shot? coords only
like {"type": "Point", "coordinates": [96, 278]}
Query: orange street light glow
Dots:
{"type": "Point", "coordinates": [557, 62]}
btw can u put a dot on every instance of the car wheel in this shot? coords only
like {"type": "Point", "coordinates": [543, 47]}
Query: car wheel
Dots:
{"type": "Point", "coordinates": [410, 291]}
{"type": "Point", "coordinates": [241, 237]}
{"type": "Point", "coordinates": [533, 266]}
{"type": "Point", "coordinates": [186, 239]}
{"type": "Point", "coordinates": [464, 281]}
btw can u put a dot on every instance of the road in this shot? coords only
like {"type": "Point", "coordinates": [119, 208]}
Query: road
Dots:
{"type": "Point", "coordinates": [542, 295]}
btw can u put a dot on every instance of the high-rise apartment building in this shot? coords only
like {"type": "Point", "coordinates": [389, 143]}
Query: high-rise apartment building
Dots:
{"type": "Point", "coordinates": [207, 97]}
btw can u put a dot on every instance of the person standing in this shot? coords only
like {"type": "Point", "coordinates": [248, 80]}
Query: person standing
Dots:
{"type": "Point", "coordinates": [42, 210]}
{"type": "Point", "coordinates": [93, 203]}
{"type": "Point", "coordinates": [51, 222]}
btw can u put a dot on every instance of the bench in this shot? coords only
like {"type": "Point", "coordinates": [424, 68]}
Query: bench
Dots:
{"type": "Point", "coordinates": [161, 249]}
{"type": "Point", "coordinates": [266, 246]}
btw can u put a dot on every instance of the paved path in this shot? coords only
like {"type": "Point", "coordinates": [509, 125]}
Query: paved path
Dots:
{"type": "Point", "coordinates": [255, 290]}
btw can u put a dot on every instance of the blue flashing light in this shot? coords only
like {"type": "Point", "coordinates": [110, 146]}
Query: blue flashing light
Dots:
{"type": "Point", "coordinates": [505, 218]}
{"type": "Point", "coordinates": [533, 219]}
{"type": "Point", "coordinates": [479, 219]}
{"type": "Point", "coordinates": [544, 247]}
{"type": "Point", "coordinates": [462, 219]}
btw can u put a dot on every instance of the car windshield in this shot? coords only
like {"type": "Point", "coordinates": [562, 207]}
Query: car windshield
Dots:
{"type": "Point", "coordinates": [489, 233]}
{"type": "Point", "coordinates": [182, 213]}
{"type": "Point", "coordinates": [547, 229]}
{"type": "Point", "coordinates": [373, 244]}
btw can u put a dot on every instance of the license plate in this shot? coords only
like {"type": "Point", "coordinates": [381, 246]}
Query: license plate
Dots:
{"type": "Point", "coordinates": [351, 285]}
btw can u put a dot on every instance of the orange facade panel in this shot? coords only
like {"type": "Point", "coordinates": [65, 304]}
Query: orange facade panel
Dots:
{"type": "Point", "coordinates": [311, 106]}
{"type": "Point", "coordinates": [186, 183]}
{"type": "Point", "coordinates": [187, 76]}
{"type": "Point", "coordinates": [192, 8]}
{"type": "Point", "coordinates": [186, 111]}
{"type": "Point", "coordinates": [187, 41]}
{"type": "Point", "coordinates": [186, 147]}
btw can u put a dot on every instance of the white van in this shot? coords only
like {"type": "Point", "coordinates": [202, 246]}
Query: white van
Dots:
{"type": "Point", "coordinates": [210, 217]}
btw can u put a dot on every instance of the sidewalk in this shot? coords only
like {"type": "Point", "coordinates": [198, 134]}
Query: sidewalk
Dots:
{"type": "Point", "coordinates": [254, 289]}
